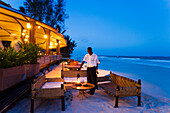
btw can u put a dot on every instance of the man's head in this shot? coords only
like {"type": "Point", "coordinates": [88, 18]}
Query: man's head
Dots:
{"type": "Point", "coordinates": [14, 36]}
{"type": "Point", "coordinates": [89, 50]}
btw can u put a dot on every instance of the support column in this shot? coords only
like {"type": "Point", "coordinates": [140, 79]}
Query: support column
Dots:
{"type": "Point", "coordinates": [32, 38]}
{"type": "Point", "coordinates": [58, 48]}
{"type": "Point", "coordinates": [47, 41]}
{"type": "Point", "coordinates": [22, 37]}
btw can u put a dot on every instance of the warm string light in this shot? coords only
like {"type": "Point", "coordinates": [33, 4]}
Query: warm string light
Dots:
{"type": "Point", "coordinates": [55, 43]}
{"type": "Point", "coordinates": [45, 36]}
{"type": "Point", "coordinates": [23, 34]}
{"type": "Point", "coordinates": [27, 36]}
{"type": "Point", "coordinates": [24, 31]}
{"type": "Point", "coordinates": [25, 39]}
{"type": "Point", "coordinates": [28, 25]}
{"type": "Point", "coordinates": [39, 27]}
{"type": "Point", "coordinates": [51, 43]}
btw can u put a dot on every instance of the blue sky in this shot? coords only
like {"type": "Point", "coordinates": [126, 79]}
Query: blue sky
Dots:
{"type": "Point", "coordinates": [118, 27]}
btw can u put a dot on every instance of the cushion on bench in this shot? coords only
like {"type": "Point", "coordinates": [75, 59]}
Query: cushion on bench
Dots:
{"type": "Point", "coordinates": [52, 85]}
{"type": "Point", "coordinates": [104, 82]}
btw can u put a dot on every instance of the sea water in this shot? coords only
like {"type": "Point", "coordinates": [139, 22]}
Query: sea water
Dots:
{"type": "Point", "coordinates": [153, 71]}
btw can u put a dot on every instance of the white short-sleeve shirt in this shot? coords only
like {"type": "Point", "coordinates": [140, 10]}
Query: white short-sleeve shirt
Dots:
{"type": "Point", "coordinates": [15, 45]}
{"type": "Point", "coordinates": [91, 60]}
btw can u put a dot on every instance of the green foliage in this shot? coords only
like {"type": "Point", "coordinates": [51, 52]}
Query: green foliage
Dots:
{"type": "Point", "coordinates": [47, 11]}
{"type": "Point", "coordinates": [66, 51]}
{"type": "Point", "coordinates": [9, 58]}
{"type": "Point", "coordinates": [31, 52]}
{"type": "Point", "coordinates": [22, 9]}
{"type": "Point", "coordinates": [27, 55]}
{"type": "Point", "coordinates": [53, 13]}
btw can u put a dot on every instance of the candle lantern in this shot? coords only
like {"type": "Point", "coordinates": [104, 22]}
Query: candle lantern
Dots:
{"type": "Point", "coordinates": [78, 80]}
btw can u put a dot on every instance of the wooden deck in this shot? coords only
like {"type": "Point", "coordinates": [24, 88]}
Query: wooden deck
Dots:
{"type": "Point", "coordinates": [10, 97]}
{"type": "Point", "coordinates": [13, 95]}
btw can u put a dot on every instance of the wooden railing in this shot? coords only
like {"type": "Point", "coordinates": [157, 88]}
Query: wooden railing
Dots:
{"type": "Point", "coordinates": [47, 60]}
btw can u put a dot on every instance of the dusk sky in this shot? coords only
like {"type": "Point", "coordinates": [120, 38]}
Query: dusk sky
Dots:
{"type": "Point", "coordinates": [118, 27]}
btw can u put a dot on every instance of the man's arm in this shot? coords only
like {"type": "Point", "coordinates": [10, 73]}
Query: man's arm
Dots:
{"type": "Point", "coordinates": [81, 65]}
{"type": "Point", "coordinates": [97, 60]}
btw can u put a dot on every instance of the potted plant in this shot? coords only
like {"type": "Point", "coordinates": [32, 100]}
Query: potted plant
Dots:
{"type": "Point", "coordinates": [12, 69]}
{"type": "Point", "coordinates": [31, 53]}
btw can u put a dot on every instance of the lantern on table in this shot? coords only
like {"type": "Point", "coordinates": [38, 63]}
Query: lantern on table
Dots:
{"type": "Point", "coordinates": [78, 83]}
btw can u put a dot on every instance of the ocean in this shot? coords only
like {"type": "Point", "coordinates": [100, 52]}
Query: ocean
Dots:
{"type": "Point", "coordinates": [153, 71]}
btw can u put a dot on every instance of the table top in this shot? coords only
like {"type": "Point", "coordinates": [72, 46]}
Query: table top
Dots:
{"type": "Point", "coordinates": [73, 66]}
{"type": "Point", "coordinates": [89, 86]}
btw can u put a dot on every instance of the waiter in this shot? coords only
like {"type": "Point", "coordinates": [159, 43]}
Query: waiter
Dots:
{"type": "Point", "coordinates": [92, 68]}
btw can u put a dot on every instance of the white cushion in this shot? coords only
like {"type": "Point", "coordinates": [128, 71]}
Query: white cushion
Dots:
{"type": "Point", "coordinates": [52, 85]}
{"type": "Point", "coordinates": [104, 82]}
{"type": "Point", "coordinates": [74, 79]}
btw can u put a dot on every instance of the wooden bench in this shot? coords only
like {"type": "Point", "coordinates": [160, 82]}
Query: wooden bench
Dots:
{"type": "Point", "coordinates": [47, 88]}
{"type": "Point", "coordinates": [122, 87]}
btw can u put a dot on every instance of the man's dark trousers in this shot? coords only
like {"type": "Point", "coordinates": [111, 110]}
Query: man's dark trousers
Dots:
{"type": "Point", "coordinates": [92, 78]}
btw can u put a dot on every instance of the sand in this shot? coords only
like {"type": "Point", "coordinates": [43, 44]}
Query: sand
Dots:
{"type": "Point", "coordinates": [100, 102]}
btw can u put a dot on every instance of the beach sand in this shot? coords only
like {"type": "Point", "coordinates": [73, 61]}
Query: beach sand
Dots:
{"type": "Point", "coordinates": [99, 102]}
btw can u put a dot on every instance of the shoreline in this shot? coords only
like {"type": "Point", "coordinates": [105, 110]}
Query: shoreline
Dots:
{"type": "Point", "coordinates": [147, 88]}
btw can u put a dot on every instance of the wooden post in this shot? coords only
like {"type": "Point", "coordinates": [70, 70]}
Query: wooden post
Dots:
{"type": "Point", "coordinates": [139, 95]}
{"type": "Point", "coordinates": [117, 97]}
{"type": "Point", "coordinates": [58, 48]}
{"type": "Point", "coordinates": [22, 37]}
{"type": "Point", "coordinates": [62, 99]}
{"type": "Point", "coordinates": [32, 38]}
{"type": "Point", "coordinates": [62, 74]}
{"type": "Point", "coordinates": [47, 41]}
{"type": "Point", "coordinates": [62, 66]}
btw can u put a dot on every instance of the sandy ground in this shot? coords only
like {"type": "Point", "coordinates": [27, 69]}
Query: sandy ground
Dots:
{"type": "Point", "coordinates": [99, 102]}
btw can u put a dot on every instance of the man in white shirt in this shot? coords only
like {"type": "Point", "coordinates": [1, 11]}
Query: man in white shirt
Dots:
{"type": "Point", "coordinates": [92, 67]}
{"type": "Point", "coordinates": [14, 44]}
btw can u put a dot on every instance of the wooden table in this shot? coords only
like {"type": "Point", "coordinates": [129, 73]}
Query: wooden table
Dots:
{"type": "Point", "coordinates": [82, 89]}
{"type": "Point", "coordinates": [73, 66]}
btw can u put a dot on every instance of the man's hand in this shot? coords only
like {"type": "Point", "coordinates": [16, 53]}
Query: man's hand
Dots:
{"type": "Point", "coordinates": [81, 65]}
{"type": "Point", "coordinates": [97, 72]}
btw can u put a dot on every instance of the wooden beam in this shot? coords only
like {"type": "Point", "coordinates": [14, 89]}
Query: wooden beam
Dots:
{"type": "Point", "coordinates": [12, 16]}
{"type": "Point", "coordinates": [58, 48]}
{"type": "Point", "coordinates": [47, 41]}
{"type": "Point", "coordinates": [8, 21]}
{"type": "Point", "coordinates": [32, 38]}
